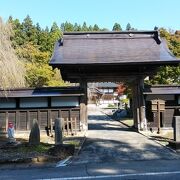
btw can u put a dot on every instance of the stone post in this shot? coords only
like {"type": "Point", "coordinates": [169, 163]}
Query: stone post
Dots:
{"type": "Point", "coordinates": [59, 131]}
{"type": "Point", "coordinates": [4, 128]}
{"type": "Point", "coordinates": [34, 137]}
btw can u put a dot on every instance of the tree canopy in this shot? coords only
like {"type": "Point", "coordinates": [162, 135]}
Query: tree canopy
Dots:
{"type": "Point", "coordinates": [34, 46]}
{"type": "Point", "coordinates": [117, 27]}
{"type": "Point", "coordinates": [169, 74]}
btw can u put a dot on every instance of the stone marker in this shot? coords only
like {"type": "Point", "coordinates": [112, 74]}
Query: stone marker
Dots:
{"type": "Point", "coordinates": [34, 137]}
{"type": "Point", "coordinates": [59, 131]}
{"type": "Point", "coordinates": [177, 128]}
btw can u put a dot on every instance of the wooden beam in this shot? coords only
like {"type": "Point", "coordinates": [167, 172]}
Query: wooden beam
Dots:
{"type": "Point", "coordinates": [83, 106]}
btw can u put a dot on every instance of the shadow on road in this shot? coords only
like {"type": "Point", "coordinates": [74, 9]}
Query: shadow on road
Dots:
{"type": "Point", "coordinates": [103, 122]}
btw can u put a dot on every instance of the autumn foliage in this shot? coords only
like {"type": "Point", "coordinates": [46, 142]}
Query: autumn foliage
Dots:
{"type": "Point", "coordinates": [121, 89]}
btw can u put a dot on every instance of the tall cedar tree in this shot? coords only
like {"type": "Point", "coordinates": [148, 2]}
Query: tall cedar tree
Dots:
{"type": "Point", "coordinates": [117, 27]}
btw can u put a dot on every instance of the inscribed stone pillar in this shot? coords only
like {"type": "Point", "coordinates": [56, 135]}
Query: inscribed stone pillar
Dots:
{"type": "Point", "coordinates": [3, 128]}
{"type": "Point", "coordinates": [34, 137]}
{"type": "Point", "coordinates": [58, 131]}
{"type": "Point", "coordinates": [83, 106]}
{"type": "Point", "coordinates": [177, 128]}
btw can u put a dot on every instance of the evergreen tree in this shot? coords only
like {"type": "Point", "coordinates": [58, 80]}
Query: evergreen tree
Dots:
{"type": "Point", "coordinates": [155, 28]}
{"type": "Point", "coordinates": [90, 28]}
{"type": "Point", "coordinates": [47, 29]}
{"type": "Point", "coordinates": [84, 27]}
{"type": "Point", "coordinates": [38, 28]}
{"type": "Point", "coordinates": [67, 27]}
{"type": "Point", "coordinates": [96, 27]}
{"type": "Point", "coordinates": [128, 27]}
{"type": "Point", "coordinates": [117, 27]}
{"type": "Point", "coordinates": [54, 27]}
{"type": "Point", "coordinates": [77, 27]}
{"type": "Point", "coordinates": [29, 30]}
{"type": "Point", "coordinates": [54, 35]}
{"type": "Point", "coordinates": [17, 37]}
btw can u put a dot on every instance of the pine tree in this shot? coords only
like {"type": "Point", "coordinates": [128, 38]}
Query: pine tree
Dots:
{"type": "Point", "coordinates": [67, 27]}
{"type": "Point", "coordinates": [90, 28]}
{"type": "Point", "coordinates": [96, 27]}
{"type": "Point", "coordinates": [128, 27]}
{"type": "Point", "coordinates": [84, 27]}
{"type": "Point", "coordinates": [29, 30]}
{"type": "Point", "coordinates": [117, 27]}
{"type": "Point", "coordinates": [54, 35]}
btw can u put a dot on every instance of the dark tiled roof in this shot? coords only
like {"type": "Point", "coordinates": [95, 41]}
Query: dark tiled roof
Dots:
{"type": "Point", "coordinates": [111, 47]}
{"type": "Point", "coordinates": [42, 92]}
{"type": "Point", "coordinates": [162, 89]}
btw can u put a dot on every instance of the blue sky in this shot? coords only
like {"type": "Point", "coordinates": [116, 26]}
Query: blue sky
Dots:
{"type": "Point", "coordinates": [141, 14]}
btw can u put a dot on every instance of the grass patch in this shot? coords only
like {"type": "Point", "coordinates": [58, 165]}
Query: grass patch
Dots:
{"type": "Point", "coordinates": [41, 148]}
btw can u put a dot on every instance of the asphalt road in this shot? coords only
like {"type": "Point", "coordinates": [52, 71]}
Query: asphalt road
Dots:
{"type": "Point", "coordinates": [157, 169]}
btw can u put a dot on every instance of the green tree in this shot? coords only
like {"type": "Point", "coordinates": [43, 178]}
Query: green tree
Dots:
{"type": "Point", "coordinates": [128, 27]}
{"type": "Point", "coordinates": [43, 40]}
{"type": "Point", "coordinates": [34, 46]}
{"type": "Point", "coordinates": [84, 27]}
{"type": "Point", "coordinates": [38, 75]}
{"type": "Point", "coordinates": [17, 36]}
{"type": "Point", "coordinates": [96, 28]}
{"type": "Point", "coordinates": [67, 27]}
{"type": "Point", "coordinates": [168, 74]}
{"type": "Point", "coordinates": [90, 28]}
{"type": "Point", "coordinates": [31, 53]}
{"type": "Point", "coordinates": [29, 30]}
{"type": "Point", "coordinates": [54, 35]}
{"type": "Point", "coordinates": [77, 27]}
{"type": "Point", "coordinates": [117, 27]}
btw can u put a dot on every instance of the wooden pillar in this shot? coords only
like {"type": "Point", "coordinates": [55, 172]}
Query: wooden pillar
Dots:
{"type": "Point", "coordinates": [135, 106]}
{"type": "Point", "coordinates": [139, 105]}
{"type": "Point", "coordinates": [83, 106]}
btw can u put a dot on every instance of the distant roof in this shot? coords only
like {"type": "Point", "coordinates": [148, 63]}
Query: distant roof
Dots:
{"type": "Point", "coordinates": [162, 89]}
{"type": "Point", "coordinates": [42, 92]}
{"type": "Point", "coordinates": [111, 47]}
{"type": "Point", "coordinates": [103, 85]}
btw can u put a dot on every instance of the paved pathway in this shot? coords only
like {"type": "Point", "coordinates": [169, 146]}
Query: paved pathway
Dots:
{"type": "Point", "coordinates": [111, 141]}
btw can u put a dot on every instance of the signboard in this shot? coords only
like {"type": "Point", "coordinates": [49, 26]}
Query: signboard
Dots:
{"type": "Point", "coordinates": [155, 103]}
{"type": "Point", "coordinates": [158, 106]}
